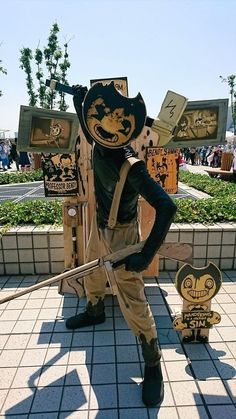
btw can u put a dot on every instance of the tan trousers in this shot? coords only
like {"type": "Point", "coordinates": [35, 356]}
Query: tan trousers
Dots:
{"type": "Point", "coordinates": [130, 285]}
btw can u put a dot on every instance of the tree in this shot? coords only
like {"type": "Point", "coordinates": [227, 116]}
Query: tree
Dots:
{"type": "Point", "coordinates": [3, 71]}
{"type": "Point", "coordinates": [54, 61]}
{"type": "Point", "coordinates": [231, 81]}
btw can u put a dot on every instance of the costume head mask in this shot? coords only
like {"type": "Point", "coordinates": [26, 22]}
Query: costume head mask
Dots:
{"type": "Point", "coordinates": [198, 285]}
{"type": "Point", "coordinates": [112, 119]}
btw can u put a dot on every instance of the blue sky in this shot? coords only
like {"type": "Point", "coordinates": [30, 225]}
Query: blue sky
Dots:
{"type": "Point", "coordinates": [160, 45]}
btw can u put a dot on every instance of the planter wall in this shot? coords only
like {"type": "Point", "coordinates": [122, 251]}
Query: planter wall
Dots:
{"type": "Point", "coordinates": [40, 250]}
{"type": "Point", "coordinates": [32, 250]}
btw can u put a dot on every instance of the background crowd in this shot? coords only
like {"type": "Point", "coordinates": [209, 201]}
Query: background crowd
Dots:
{"type": "Point", "coordinates": [9, 155]}
{"type": "Point", "coordinates": [205, 156]}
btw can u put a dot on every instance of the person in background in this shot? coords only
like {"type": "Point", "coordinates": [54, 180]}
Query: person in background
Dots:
{"type": "Point", "coordinates": [182, 161]}
{"type": "Point", "coordinates": [197, 156]}
{"type": "Point", "coordinates": [209, 155]}
{"type": "Point", "coordinates": [14, 154]}
{"type": "Point", "coordinates": [4, 155]}
{"type": "Point", "coordinates": [24, 161]}
{"type": "Point", "coordinates": [192, 155]}
{"type": "Point", "coordinates": [234, 166]}
{"type": "Point", "coordinates": [203, 161]}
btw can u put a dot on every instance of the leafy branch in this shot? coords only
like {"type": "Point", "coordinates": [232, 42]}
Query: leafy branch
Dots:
{"type": "Point", "coordinates": [3, 71]}
{"type": "Point", "coordinates": [231, 81]}
{"type": "Point", "coordinates": [53, 60]}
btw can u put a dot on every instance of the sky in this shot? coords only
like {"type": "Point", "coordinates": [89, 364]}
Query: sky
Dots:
{"type": "Point", "coordinates": [159, 45]}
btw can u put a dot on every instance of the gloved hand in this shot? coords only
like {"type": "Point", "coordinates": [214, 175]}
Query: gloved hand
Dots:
{"type": "Point", "coordinates": [137, 262]}
{"type": "Point", "coordinates": [79, 94]}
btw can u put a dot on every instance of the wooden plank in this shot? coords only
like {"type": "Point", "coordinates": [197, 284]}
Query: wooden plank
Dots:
{"type": "Point", "coordinates": [188, 332]}
{"type": "Point", "coordinates": [214, 172]}
{"type": "Point", "coordinates": [147, 215]}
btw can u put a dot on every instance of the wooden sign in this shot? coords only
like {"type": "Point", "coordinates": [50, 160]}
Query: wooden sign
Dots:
{"type": "Point", "coordinates": [47, 131]}
{"type": "Point", "coordinates": [120, 83]}
{"type": "Point", "coordinates": [60, 175]}
{"type": "Point", "coordinates": [203, 122]}
{"type": "Point", "coordinates": [171, 111]}
{"type": "Point", "coordinates": [197, 287]}
{"type": "Point", "coordinates": [162, 165]}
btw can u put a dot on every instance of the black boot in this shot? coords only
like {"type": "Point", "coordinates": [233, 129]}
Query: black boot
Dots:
{"type": "Point", "coordinates": [153, 386]}
{"type": "Point", "coordinates": [94, 314]}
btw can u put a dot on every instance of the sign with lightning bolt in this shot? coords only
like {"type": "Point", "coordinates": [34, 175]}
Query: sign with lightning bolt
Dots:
{"type": "Point", "coordinates": [171, 111]}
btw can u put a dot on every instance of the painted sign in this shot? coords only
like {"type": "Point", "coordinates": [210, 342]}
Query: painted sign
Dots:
{"type": "Point", "coordinates": [120, 83]}
{"type": "Point", "coordinates": [162, 165]}
{"type": "Point", "coordinates": [197, 287]}
{"type": "Point", "coordinates": [47, 131]}
{"type": "Point", "coordinates": [60, 174]}
{"type": "Point", "coordinates": [203, 122]}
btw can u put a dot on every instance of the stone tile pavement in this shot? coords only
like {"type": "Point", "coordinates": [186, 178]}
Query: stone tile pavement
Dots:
{"type": "Point", "coordinates": [48, 372]}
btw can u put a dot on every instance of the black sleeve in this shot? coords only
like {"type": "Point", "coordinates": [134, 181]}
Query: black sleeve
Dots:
{"type": "Point", "coordinates": [78, 99]}
{"type": "Point", "coordinates": [155, 195]}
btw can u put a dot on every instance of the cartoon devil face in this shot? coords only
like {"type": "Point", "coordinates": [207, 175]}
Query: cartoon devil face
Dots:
{"type": "Point", "coordinates": [198, 285]}
{"type": "Point", "coordinates": [113, 120]}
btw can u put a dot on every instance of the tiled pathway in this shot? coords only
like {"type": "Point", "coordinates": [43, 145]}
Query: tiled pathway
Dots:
{"type": "Point", "coordinates": [48, 372]}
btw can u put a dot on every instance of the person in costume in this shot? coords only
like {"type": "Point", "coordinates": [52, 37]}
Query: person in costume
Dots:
{"type": "Point", "coordinates": [110, 122]}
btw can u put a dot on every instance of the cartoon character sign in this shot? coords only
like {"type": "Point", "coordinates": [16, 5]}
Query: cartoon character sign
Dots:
{"type": "Point", "coordinates": [60, 174]}
{"type": "Point", "coordinates": [197, 287]}
{"type": "Point", "coordinates": [162, 165]}
{"type": "Point", "coordinates": [113, 120]}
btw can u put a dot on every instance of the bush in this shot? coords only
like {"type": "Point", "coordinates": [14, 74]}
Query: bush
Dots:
{"type": "Point", "coordinates": [212, 186]}
{"type": "Point", "coordinates": [206, 211]}
{"type": "Point", "coordinates": [36, 212]}
{"type": "Point", "coordinates": [21, 177]}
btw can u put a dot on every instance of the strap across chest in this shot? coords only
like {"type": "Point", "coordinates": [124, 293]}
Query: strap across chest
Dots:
{"type": "Point", "coordinates": [118, 190]}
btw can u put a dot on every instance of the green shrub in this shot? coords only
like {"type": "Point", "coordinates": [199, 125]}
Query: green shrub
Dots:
{"type": "Point", "coordinates": [212, 186]}
{"type": "Point", "coordinates": [21, 177]}
{"type": "Point", "coordinates": [36, 212]}
{"type": "Point", "coordinates": [206, 211]}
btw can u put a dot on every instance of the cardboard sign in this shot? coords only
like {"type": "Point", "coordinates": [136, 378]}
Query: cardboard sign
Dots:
{"type": "Point", "coordinates": [162, 165]}
{"type": "Point", "coordinates": [120, 83]}
{"type": "Point", "coordinates": [203, 122]}
{"type": "Point", "coordinates": [60, 174]}
{"type": "Point", "coordinates": [197, 287]}
{"type": "Point", "coordinates": [47, 131]}
{"type": "Point", "coordinates": [197, 319]}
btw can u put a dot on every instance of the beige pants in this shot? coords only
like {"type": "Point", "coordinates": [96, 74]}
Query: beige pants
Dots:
{"type": "Point", "coordinates": [130, 285]}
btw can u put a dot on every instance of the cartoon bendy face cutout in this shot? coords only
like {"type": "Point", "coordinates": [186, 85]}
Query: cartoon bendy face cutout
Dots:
{"type": "Point", "coordinates": [197, 285]}
{"type": "Point", "coordinates": [113, 120]}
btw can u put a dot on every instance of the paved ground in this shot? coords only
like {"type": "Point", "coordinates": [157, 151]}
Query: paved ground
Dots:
{"type": "Point", "coordinates": [197, 169]}
{"type": "Point", "coordinates": [48, 372]}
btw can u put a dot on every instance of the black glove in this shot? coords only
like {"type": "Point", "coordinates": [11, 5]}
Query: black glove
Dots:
{"type": "Point", "coordinates": [79, 94]}
{"type": "Point", "coordinates": [137, 262]}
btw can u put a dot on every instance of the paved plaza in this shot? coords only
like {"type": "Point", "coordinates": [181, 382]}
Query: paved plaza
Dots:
{"type": "Point", "coordinates": [48, 372]}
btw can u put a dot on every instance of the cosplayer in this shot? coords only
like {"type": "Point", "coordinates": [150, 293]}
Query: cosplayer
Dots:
{"type": "Point", "coordinates": [111, 121]}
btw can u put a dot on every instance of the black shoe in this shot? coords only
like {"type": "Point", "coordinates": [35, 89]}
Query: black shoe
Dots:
{"type": "Point", "coordinates": [153, 386]}
{"type": "Point", "coordinates": [84, 320]}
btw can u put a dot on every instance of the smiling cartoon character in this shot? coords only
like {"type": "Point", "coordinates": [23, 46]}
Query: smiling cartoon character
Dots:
{"type": "Point", "coordinates": [197, 286]}
{"type": "Point", "coordinates": [113, 120]}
